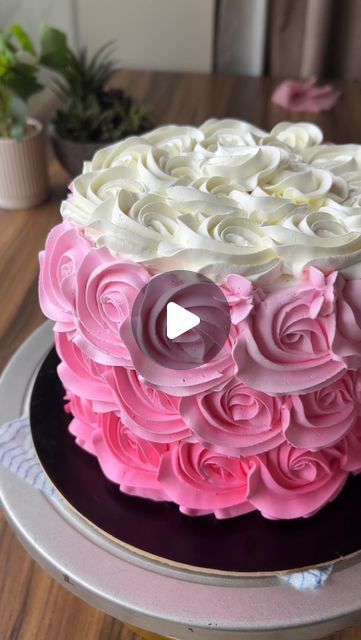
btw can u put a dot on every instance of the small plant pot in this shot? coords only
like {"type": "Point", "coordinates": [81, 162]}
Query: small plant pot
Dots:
{"type": "Point", "coordinates": [72, 155]}
{"type": "Point", "coordinates": [23, 174]}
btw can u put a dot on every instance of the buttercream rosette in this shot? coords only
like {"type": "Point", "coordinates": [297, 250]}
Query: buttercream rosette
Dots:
{"type": "Point", "coordinates": [272, 423]}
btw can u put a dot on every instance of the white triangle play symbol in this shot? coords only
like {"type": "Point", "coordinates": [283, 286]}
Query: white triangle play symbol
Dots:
{"type": "Point", "coordinates": [179, 320]}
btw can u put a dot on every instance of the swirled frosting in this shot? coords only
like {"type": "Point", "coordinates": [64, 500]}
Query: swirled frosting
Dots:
{"type": "Point", "coordinates": [223, 198]}
{"type": "Point", "coordinates": [273, 422]}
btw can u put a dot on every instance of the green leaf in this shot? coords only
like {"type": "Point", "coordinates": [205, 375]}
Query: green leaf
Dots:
{"type": "Point", "coordinates": [18, 109]}
{"type": "Point", "coordinates": [6, 46]}
{"type": "Point", "coordinates": [5, 98]}
{"type": "Point", "coordinates": [54, 50]}
{"type": "Point", "coordinates": [22, 80]}
{"type": "Point", "coordinates": [103, 59]}
{"type": "Point", "coordinates": [17, 130]}
{"type": "Point", "coordinates": [7, 53]}
{"type": "Point", "coordinates": [4, 64]}
{"type": "Point", "coordinates": [23, 38]}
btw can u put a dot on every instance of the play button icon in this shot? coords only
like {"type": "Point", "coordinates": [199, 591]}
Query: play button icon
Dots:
{"type": "Point", "coordinates": [180, 319]}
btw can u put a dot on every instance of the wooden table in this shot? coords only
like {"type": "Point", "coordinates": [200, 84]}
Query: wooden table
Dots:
{"type": "Point", "coordinates": [32, 605]}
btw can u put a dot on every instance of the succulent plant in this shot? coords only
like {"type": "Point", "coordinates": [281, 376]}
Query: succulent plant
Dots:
{"type": "Point", "coordinates": [90, 112]}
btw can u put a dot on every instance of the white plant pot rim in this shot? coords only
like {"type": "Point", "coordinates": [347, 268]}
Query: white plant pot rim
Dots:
{"type": "Point", "coordinates": [34, 123]}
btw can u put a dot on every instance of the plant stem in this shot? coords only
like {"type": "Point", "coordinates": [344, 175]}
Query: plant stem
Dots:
{"type": "Point", "coordinates": [4, 130]}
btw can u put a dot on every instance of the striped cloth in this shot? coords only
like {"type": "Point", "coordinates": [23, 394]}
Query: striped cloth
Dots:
{"type": "Point", "coordinates": [17, 454]}
{"type": "Point", "coordinates": [307, 580]}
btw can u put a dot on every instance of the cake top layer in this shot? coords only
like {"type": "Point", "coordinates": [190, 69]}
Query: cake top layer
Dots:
{"type": "Point", "coordinates": [224, 198]}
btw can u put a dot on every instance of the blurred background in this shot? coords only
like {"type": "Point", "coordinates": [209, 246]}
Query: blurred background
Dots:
{"type": "Point", "coordinates": [249, 37]}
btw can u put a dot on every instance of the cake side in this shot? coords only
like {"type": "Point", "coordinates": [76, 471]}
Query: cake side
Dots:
{"type": "Point", "coordinates": [272, 422]}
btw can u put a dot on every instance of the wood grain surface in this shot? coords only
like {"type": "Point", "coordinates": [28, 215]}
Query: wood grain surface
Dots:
{"type": "Point", "coordinates": [32, 605]}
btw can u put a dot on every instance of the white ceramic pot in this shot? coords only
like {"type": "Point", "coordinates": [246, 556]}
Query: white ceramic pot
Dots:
{"type": "Point", "coordinates": [23, 172]}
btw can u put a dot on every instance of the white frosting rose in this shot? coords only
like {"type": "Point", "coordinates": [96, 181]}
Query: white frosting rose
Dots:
{"type": "Point", "coordinates": [223, 198]}
{"type": "Point", "coordinates": [342, 160]}
{"type": "Point", "coordinates": [246, 166]}
{"type": "Point", "coordinates": [89, 190]}
{"type": "Point", "coordinates": [133, 226]}
{"type": "Point", "coordinates": [175, 139]}
{"type": "Point", "coordinates": [229, 133]}
{"type": "Point", "coordinates": [317, 239]}
{"type": "Point", "coordinates": [304, 184]}
{"type": "Point", "coordinates": [298, 135]}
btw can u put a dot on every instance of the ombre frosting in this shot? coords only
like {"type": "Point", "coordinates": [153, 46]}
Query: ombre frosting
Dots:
{"type": "Point", "coordinates": [272, 423]}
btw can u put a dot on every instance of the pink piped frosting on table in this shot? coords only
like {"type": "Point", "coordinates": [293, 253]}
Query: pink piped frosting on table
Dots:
{"type": "Point", "coordinates": [273, 422]}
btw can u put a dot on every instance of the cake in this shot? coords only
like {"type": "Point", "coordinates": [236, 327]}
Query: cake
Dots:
{"type": "Point", "coordinates": [272, 423]}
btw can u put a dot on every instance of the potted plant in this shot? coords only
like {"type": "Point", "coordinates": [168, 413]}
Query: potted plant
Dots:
{"type": "Point", "coordinates": [23, 175]}
{"type": "Point", "coordinates": [91, 115]}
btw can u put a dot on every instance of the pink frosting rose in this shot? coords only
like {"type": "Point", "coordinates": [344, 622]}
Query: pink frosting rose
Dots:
{"type": "Point", "coordinates": [236, 420]}
{"type": "Point", "coordinates": [287, 482]}
{"type": "Point", "coordinates": [350, 448]}
{"type": "Point", "coordinates": [65, 249]}
{"type": "Point", "coordinates": [201, 481]}
{"type": "Point", "coordinates": [83, 377]}
{"type": "Point", "coordinates": [321, 418]}
{"type": "Point", "coordinates": [130, 461]}
{"type": "Point", "coordinates": [84, 422]}
{"type": "Point", "coordinates": [106, 290]}
{"type": "Point", "coordinates": [284, 346]}
{"type": "Point", "coordinates": [150, 413]}
{"type": "Point", "coordinates": [182, 382]}
{"type": "Point", "coordinates": [347, 340]}
{"type": "Point", "coordinates": [239, 295]}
